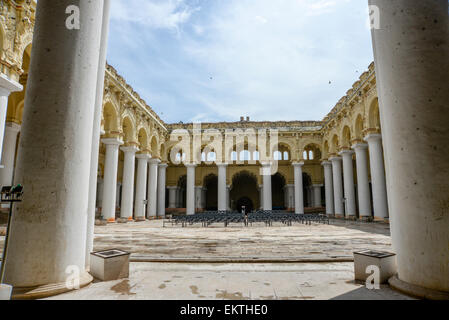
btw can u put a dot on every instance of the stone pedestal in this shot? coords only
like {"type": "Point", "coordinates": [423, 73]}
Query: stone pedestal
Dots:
{"type": "Point", "coordinates": [384, 261]}
{"type": "Point", "coordinates": [109, 265]}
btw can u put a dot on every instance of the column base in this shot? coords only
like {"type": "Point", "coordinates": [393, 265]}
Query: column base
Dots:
{"type": "Point", "coordinates": [366, 219]}
{"type": "Point", "coordinates": [417, 291]}
{"type": "Point", "coordinates": [379, 219]}
{"type": "Point", "coordinates": [49, 290]}
{"type": "Point", "coordinates": [140, 219]}
{"type": "Point", "coordinates": [111, 220]}
{"type": "Point", "coordinates": [351, 218]}
{"type": "Point", "coordinates": [330, 215]}
{"type": "Point", "coordinates": [339, 216]}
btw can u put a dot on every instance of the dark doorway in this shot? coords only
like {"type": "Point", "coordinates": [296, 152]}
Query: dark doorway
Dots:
{"type": "Point", "coordinates": [247, 203]}
{"type": "Point", "coordinates": [211, 185]}
{"type": "Point", "coordinates": [307, 185]}
{"type": "Point", "coordinates": [244, 185]}
{"type": "Point", "coordinates": [277, 190]}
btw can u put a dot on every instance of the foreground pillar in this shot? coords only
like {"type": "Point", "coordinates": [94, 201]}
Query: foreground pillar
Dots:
{"type": "Point", "coordinates": [222, 187]}
{"type": "Point", "coordinates": [172, 194]}
{"type": "Point", "coordinates": [378, 177]}
{"type": "Point", "coordinates": [8, 155]}
{"type": "Point", "coordinates": [96, 132]}
{"type": "Point", "coordinates": [48, 230]}
{"type": "Point", "coordinates": [161, 189]}
{"type": "Point", "coordinates": [190, 194]}
{"type": "Point", "coordinates": [362, 181]}
{"type": "Point", "coordinates": [267, 195]}
{"type": "Point", "coordinates": [152, 188]}
{"type": "Point", "coordinates": [299, 188]}
{"type": "Point", "coordinates": [348, 180]}
{"type": "Point", "coordinates": [110, 179]}
{"type": "Point", "coordinates": [411, 51]}
{"type": "Point", "coordinates": [338, 187]}
{"type": "Point", "coordinates": [126, 212]}
{"type": "Point", "coordinates": [329, 187]}
{"type": "Point", "coordinates": [141, 186]}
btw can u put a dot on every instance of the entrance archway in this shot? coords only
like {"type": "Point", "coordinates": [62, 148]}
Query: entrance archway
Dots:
{"type": "Point", "coordinates": [307, 190]}
{"type": "Point", "coordinates": [182, 184]}
{"type": "Point", "coordinates": [277, 190]}
{"type": "Point", "coordinates": [211, 185]}
{"type": "Point", "coordinates": [245, 202]}
{"type": "Point", "coordinates": [244, 192]}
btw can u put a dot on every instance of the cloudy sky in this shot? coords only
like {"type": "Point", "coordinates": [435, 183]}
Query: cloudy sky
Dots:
{"type": "Point", "coordinates": [217, 60]}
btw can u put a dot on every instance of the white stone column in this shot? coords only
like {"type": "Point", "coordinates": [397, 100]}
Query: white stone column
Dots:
{"type": "Point", "coordinates": [348, 180]}
{"type": "Point", "coordinates": [110, 178]}
{"type": "Point", "coordinates": [172, 193]}
{"type": "Point", "coordinates": [161, 189]}
{"type": "Point", "coordinates": [48, 229]}
{"type": "Point", "coordinates": [190, 194]}
{"type": "Point", "coordinates": [299, 191]}
{"type": "Point", "coordinates": [317, 195]}
{"type": "Point", "coordinates": [8, 154]}
{"type": "Point", "coordinates": [222, 187]}
{"type": "Point", "coordinates": [362, 180]}
{"type": "Point", "coordinates": [413, 43]}
{"type": "Point", "coordinates": [338, 187]}
{"type": "Point", "coordinates": [329, 187]}
{"type": "Point", "coordinates": [126, 211]}
{"type": "Point", "coordinates": [96, 132]}
{"type": "Point", "coordinates": [7, 86]}
{"type": "Point", "coordinates": [152, 188]}
{"type": "Point", "coordinates": [267, 195]}
{"type": "Point", "coordinates": [141, 186]}
{"type": "Point", "coordinates": [380, 202]}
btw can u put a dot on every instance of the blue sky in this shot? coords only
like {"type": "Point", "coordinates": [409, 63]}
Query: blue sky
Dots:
{"type": "Point", "coordinates": [217, 60]}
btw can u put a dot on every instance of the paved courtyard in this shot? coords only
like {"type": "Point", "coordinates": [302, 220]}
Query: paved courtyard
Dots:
{"type": "Point", "coordinates": [149, 241]}
{"type": "Point", "coordinates": [204, 281]}
{"type": "Point", "coordinates": [299, 262]}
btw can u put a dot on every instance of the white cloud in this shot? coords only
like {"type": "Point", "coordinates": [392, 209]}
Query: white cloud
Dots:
{"type": "Point", "coordinates": [159, 14]}
{"type": "Point", "coordinates": [270, 60]}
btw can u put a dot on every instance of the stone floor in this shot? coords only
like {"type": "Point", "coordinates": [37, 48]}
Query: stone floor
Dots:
{"type": "Point", "coordinates": [204, 281]}
{"type": "Point", "coordinates": [316, 242]}
{"type": "Point", "coordinates": [154, 248]}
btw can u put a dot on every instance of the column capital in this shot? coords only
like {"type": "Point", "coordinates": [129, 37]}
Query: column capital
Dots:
{"type": "Point", "coordinates": [154, 161]}
{"type": "Point", "coordinates": [191, 165]}
{"type": "Point", "coordinates": [163, 165]}
{"type": "Point", "coordinates": [265, 164]}
{"type": "Point", "coordinates": [7, 86]}
{"type": "Point", "coordinates": [14, 127]}
{"type": "Point", "coordinates": [373, 137]}
{"type": "Point", "coordinates": [143, 156]}
{"type": "Point", "coordinates": [222, 164]}
{"type": "Point", "coordinates": [335, 158]}
{"type": "Point", "coordinates": [130, 149]}
{"type": "Point", "coordinates": [346, 152]}
{"type": "Point", "coordinates": [360, 145]}
{"type": "Point", "coordinates": [326, 163]}
{"type": "Point", "coordinates": [298, 164]}
{"type": "Point", "coordinates": [112, 141]}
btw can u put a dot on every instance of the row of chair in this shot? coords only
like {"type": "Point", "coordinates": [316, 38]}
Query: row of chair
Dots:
{"type": "Point", "coordinates": [209, 218]}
